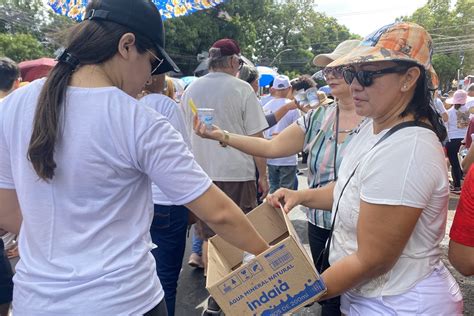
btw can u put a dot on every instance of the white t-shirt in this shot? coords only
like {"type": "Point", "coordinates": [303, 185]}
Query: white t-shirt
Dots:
{"type": "Point", "coordinates": [288, 119]}
{"type": "Point", "coordinates": [408, 168]}
{"type": "Point", "coordinates": [469, 104]}
{"type": "Point", "coordinates": [439, 106]}
{"type": "Point", "coordinates": [265, 99]}
{"type": "Point", "coordinates": [85, 242]}
{"type": "Point", "coordinates": [458, 122]}
{"type": "Point", "coordinates": [169, 109]}
{"type": "Point", "coordinates": [237, 110]}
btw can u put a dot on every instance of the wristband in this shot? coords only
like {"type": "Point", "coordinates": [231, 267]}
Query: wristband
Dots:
{"type": "Point", "coordinates": [226, 139]}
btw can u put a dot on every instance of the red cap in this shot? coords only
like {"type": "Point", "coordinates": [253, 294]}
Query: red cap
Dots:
{"type": "Point", "coordinates": [224, 47]}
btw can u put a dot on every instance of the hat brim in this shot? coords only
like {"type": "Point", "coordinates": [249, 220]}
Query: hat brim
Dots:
{"type": "Point", "coordinates": [322, 60]}
{"type": "Point", "coordinates": [453, 101]}
{"type": "Point", "coordinates": [368, 54]}
{"type": "Point", "coordinates": [167, 65]}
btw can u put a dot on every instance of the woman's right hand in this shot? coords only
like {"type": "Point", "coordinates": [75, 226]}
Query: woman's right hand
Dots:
{"type": "Point", "coordinates": [285, 198]}
{"type": "Point", "coordinates": [201, 130]}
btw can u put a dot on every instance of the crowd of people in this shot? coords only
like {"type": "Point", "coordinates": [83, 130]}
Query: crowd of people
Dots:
{"type": "Point", "coordinates": [103, 171]}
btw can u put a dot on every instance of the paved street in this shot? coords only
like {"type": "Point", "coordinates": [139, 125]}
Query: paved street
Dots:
{"type": "Point", "coordinates": [192, 294]}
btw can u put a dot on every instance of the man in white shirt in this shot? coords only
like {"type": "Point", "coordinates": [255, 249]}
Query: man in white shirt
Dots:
{"type": "Point", "coordinates": [439, 106]}
{"type": "Point", "coordinates": [470, 99]}
{"type": "Point", "coordinates": [236, 109]}
{"type": "Point", "coordinates": [282, 171]}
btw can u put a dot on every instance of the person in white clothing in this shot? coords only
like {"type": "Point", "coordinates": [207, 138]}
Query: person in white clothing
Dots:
{"type": "Point", "coordinates": [281, 171]}
{"type": "Point", "coordinates": [439, 106]}
{"type": "Point", "coordinates": [458, 123]}
{"type": "Point", "coordinates": [470, 99]}
{"type": "Point", "coordinates": [390, 200]}
{"type": "Point", "coordinates": [79, 154]}
{"type": "Point", "coordinates": [170, 222]}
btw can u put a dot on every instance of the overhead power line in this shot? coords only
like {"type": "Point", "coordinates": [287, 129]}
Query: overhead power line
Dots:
{"type": "Point", "coordinates": [460, 43]}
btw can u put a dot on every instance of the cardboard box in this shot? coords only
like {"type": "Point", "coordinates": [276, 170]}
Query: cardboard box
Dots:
{"type": "Point", "coordinates": [276, 282]}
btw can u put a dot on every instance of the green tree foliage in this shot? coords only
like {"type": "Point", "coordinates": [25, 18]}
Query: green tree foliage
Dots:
{"type": "Point", "coordinates": [20, 17]}
{"type": "Point", "coordinates": [451, 30]}
{"type": "Point", "coordinates": [285, 34]}
{"type": "Point", "coordinates": [20, 47]}
{"type": "Point", "coordinates": [446, 67]}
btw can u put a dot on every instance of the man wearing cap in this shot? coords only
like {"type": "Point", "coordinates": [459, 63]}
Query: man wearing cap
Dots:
{"type": "Point", "coordinates": [237, 110]}
{"type": "Point", "coordinates": [282, 170]}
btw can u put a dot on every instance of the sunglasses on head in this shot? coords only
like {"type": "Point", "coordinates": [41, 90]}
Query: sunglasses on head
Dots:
{"type": "Point", "coordinates": [336, 72]}
{"type": "Point", "coordinates": [366, 77]}
{"type": "Point", "coordinates": [156, 63]}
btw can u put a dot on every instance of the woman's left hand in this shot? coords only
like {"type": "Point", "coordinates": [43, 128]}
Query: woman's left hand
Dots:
{"type": "Point", "coordinates": [285, 198]}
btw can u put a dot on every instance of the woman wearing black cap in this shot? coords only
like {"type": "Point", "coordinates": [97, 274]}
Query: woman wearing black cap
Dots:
{"type": "Point", "coordinates": [78, 156]}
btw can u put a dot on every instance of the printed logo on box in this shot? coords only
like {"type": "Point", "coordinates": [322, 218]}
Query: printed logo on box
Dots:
{"type": "Point", "coordinates": [278, 257]}
{"type": "Point", "coordinates": [256, 268]}
{"type": "Point", "coordinates": [229, 284]}
{"type": "Point", "coordinates": [245, 274]}
{"type": "Point", "coordinates": [311, 289]}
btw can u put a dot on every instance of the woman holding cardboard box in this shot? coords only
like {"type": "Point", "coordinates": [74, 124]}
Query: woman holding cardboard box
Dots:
{"type": "Point", "coordinates": [390, 201]}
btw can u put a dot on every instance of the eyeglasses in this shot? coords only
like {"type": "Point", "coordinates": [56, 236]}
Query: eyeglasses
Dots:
{"type": "Point", "coordinates": [241, 63]}
{"type": "Point", "coordinates": [156, 63]}
{"type": "Point", "coordinates": [366, 77]}
{"type": "Point", "coordinates": [336, 72]}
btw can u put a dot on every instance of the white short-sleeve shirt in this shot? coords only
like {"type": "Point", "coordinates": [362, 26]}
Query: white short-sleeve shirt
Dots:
{"type": "Point", "coordinates": [288, 119]}
{"type": "Point", "coordinates": [237, 110]}
{"type": "Point", "coordinates": [84, 241]}
{"type": "Point", "coordinates": [169, 109]}
{"type": "Point", "coordinates": [408, 168]}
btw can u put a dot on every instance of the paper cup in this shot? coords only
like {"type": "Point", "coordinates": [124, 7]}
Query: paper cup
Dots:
{"type": "Point", "coordinates": [312, 96]}
{"type": "Point", "coordinates": [300, 96]}
{"type": "Point", "coordinates": [206, 116]}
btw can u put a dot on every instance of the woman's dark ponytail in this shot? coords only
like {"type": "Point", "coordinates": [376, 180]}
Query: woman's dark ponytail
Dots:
{"type": "Point", "coordinates": [46, 121]}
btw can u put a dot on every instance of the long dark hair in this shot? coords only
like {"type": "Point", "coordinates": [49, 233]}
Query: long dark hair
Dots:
{"type": "Point", "coordinates": [91, 42]}
{"type": "Point", "coordinates": [422, 104]}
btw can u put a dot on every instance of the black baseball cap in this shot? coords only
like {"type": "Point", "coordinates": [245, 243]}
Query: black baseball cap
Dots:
{"type": "Point", "coordinates": [141, 16]}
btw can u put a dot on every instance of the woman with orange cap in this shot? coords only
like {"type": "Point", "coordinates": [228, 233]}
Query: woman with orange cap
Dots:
{"type": "Point", "coordinates": [390, 201]}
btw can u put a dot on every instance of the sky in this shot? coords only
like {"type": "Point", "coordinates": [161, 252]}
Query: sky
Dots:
{"type": "Point", "coordinates": [364, 16]}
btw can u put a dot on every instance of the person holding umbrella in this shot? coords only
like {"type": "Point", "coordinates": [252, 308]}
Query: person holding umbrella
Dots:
{"type": "Point", "coordinates": [78, 157]}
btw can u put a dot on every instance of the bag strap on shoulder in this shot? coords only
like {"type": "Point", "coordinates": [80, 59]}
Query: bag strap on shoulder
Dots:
{"type": "Point", "coordinates": [384, 137]}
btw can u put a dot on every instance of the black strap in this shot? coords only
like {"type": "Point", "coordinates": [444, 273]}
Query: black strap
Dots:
{"type": "Point", "coordinates": [384, 137]}
{"type": "Point", "coordinates": [336, 145]}
{"type": "Point", "coordinates": [97, 14]}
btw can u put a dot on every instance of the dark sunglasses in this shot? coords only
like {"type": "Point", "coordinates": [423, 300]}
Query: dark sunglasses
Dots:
{"type": "Point", "coordinates": [336, 72]}
{"type": "Point", "coordinates": [366, 77]}
{"type": "Point", "coordinates": [241, 63]}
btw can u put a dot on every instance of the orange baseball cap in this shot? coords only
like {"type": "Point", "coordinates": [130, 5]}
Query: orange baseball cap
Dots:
{"type": "Point", "coordinates": [395, 42]}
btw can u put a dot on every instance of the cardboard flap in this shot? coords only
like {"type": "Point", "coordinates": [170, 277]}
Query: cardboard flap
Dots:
{"type": "Point", "coordinates": [217, 263]}
{"type": "Point", "coordinates": [269, 226]}
{"type": "Point", "coordinates": [232, 254]}
{"type": "Point", "coordinates": [288, 223]}
{"type": "Point", "coordinates": [294, 235]}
